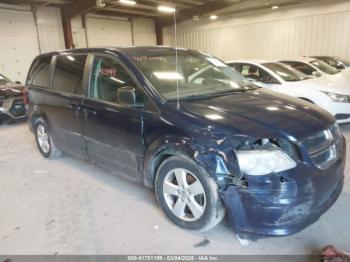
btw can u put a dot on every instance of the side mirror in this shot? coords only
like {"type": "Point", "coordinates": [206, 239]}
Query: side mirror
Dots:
{"type": "Point", "coordinates": [316, 73]}
{"type": "Point", "coordinates": [127, 96]}
{"type": "Point", "coordinates": [340, 67]}
{"type": "Point", "coordinates": [18, 82]}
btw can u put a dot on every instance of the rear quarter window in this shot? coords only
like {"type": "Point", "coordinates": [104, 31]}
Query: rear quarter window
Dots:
{"type": "Point", "coordinates": [39, 74]}
{"type": "Point", "coordinates": [68, 74]}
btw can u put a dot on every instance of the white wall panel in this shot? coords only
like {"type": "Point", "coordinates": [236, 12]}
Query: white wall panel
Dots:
{"type": "Point", "coordinates": [50, 29]}
{"type": "Point", "coordinates": [105, 31]}
{"type": "Point", "coordinates": [18, 41]}
{"type": "Point", "coordinates": [144, 32]}
{"type": "Point", "coordinates": [319, 28]}
{"type": "Point", "coordinates": [79, 36]}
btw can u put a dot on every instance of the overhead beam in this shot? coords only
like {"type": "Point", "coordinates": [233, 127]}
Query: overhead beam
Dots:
{"type": "Point", "coordinates": [79, 7]}
{"type": "Point", "coordinates": [127, 11]}
{"type": "Point", "coordinates": [167, 3]}
{"type": "Point", "coordinates": [147, 7]}
{"type": "Point", "coordinates": [208, 7]}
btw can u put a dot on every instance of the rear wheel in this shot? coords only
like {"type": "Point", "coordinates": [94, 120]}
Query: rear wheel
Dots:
{"type": "Point", "coordinates": [187, 195]}
{"type": "Point", "coordinates": [44, 140]}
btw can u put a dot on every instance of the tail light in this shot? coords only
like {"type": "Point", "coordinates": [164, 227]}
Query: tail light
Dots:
{"type": "Point", "coordinates": [26, 98]}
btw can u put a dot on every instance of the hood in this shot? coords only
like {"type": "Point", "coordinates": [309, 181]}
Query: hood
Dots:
{"type": "Point", "coordinates": [11, 90]}
{"type": "Point", "coordinates": [324, 84]}
{"type": "Point", "coordinates": [260, 113]}
{"type": "Point", "coordinates": [339, 77]}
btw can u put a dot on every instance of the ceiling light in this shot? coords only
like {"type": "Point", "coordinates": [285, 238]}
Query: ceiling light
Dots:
{"type": "Point", "coordinates": [128, 2]}
{"type": "Point", "coordinates": [100, 3]}
{"type": "Point", "coordinates": [213, 17]}
{"type": "Point", "coordinates": [166, 9]}
{"type": "Point", "coordinates": [274, 7]}
{"type": "Point", "coordinates": [71, 58]}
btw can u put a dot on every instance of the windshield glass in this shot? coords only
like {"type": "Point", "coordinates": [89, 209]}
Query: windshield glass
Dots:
{"type": "Point", "coordinates": [325, 68]}
{"type": "Point", "coordinates": [4, 80]}
{"type": "Point", "coordinates": [286, 73]}
{"type": "Point", "coordinates": [197, 75]}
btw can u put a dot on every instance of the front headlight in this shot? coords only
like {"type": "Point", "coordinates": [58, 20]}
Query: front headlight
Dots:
{"type": "Point", "coordinates": [337, 97]}
{"type": "Point", "coordinates": [259, 162]}
{"type": "Point", "coordinates": [7, 103]}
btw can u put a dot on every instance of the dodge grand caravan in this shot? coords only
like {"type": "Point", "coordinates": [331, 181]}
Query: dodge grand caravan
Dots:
{"type": "Point", "coordinates": [204, 138]}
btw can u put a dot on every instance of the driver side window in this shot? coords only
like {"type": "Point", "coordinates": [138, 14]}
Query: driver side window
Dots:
{"type": "Point", "coordinates": [257, 74]}
{"type": "Point", "coordinates": [108, 76]}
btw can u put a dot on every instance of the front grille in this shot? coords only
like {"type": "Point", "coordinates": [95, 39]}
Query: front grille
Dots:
{"type": "Point", "coordinates": [324, 147]}
{"type": "Point", "coordinates": [18, 108]}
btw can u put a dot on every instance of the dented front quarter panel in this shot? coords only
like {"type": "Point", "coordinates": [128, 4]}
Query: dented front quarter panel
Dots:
{"type": "Point", "coordinates": [277, 204]}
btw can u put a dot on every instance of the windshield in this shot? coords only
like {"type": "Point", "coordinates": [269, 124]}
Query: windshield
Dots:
{"type": "Point", "coordinates": [325, 68]}
{"type": "Point", "coordinates": [197, 75]}
{"type": "Point", "coordinates": [286, 73]}
{"type": "Point", "coordinates": [4, 80]}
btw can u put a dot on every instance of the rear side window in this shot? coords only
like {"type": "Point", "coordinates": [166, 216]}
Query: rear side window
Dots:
{"type": "Point", "coordinates": [68, 74]}
{"type": "Point", "coordinates": [39, 75]}
{"type": "Point", "coordinates": [302, 67]}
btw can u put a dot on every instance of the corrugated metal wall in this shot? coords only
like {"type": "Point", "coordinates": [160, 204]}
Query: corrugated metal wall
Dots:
{"type": "Point", "coordinates": [108, 31]}
{"type": "Point", "coordinates": [111, 31]}
{"type": "Point", "coordinates": [144, 32]}
{"type": "Point", "coordinates": [18, 41]}
{"type": "Point", "coordinates": [322, 28]}
{"type": "Point", "coordinates": [78, 31]}
{"type": "Point", "coordinates": [50, 29]}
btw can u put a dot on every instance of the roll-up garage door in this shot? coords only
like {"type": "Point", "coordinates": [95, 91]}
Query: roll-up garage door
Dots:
{"type": "Point", "coordinates": [18, 41]}
{"type": "Point", "coordinates": [108, 32]}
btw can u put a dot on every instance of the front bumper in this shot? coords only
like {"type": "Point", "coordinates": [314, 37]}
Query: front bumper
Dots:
{"type": "Point", "coordinates": [13, 108]}
{"type": "Point", "coordinates": [284, 203]}
{"type": "Point", "coordinates": [341, 111]}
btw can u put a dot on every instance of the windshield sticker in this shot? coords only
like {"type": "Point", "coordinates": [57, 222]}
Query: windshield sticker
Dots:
{"type": "Point", "coordinates": [216, 62]}
{"type": "Point", "coordinates": [108, 71]}
{"type": "Point", "coordinates": [140, 59]}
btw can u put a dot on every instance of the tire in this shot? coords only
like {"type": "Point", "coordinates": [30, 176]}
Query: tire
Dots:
{"type": "Point", "coordinates": [49, 150]}
{"type": "Point", "coordinates": [192, 204]}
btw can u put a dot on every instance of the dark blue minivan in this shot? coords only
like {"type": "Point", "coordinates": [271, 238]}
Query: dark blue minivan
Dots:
{"type": "Point", "coordinates": [182, 122]}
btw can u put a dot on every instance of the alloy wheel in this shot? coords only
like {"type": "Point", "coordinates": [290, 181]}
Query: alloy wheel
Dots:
{"type": "Point", "coordinates": [43, 138]}
{"type": "Point", "coordinates": [184, 194]}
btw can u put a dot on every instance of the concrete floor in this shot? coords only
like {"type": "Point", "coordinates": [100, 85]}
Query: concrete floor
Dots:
{"type": "Point", "coordinates": [68, 206]}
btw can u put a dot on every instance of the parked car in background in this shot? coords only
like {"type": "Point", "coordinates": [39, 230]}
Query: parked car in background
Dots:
{"type": "Point", "coordinates": [329, 95]}
{"type": "Point", "coordinates": [186, 124]}
{"type": "Point", "coordinates": [317, 68]}
{"type": "Point", "coordinates": [12, 106]}
{"type": "Point", "coordinates": [337, 62]}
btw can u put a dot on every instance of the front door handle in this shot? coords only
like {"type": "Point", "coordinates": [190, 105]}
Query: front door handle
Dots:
{"type": "Point", "coordinates": [90, 111]}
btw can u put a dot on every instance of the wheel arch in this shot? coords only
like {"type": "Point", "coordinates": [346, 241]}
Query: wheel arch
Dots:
{"type": "Point", "coordinates": [209, 157]}
{"type": "Point", "coordinates": [161, 149]}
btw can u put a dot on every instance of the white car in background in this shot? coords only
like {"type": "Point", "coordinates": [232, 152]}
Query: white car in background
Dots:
{"type": "Point", "coordinates": [317, 68]}
{"type": "Point", "coordinates": [337, 62]}
{"type": "Point", "coordinates": [329, 95]}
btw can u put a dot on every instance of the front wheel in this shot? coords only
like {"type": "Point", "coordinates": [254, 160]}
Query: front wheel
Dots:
{"type": "Point", "coordinates": [187, 195]}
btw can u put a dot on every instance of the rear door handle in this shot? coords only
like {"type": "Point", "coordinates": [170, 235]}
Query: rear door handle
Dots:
{"type": "Point", "coordinates": [90, 111]}
{"type": "Point", "coordinates": [75, 107]}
